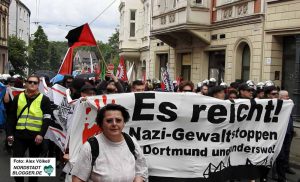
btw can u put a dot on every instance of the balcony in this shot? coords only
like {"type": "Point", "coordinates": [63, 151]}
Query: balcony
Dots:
{"type": "Point", "coordinates": [173, 20]}
{"type": "Point", "coordinates": [236, 12]}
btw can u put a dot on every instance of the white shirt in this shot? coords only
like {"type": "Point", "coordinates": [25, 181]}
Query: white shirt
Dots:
{"type": "Point", "coordinates": [115, 162]}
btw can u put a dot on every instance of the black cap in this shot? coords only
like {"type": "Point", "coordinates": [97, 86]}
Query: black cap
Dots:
{"type": "Point", "coordinates": [87, 87]}
{"type": "Point", "coordinates": [11, 79]}
{"type": "Point", "coordinates": [214, 90]}
{"type": "Point", "coordinates": [245, 86]}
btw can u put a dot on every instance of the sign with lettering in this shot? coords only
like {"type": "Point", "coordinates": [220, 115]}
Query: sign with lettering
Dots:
{"type": "Point", "coordinates": [186, 135]}
{"type": "Point", "coordinates": [20, 167]}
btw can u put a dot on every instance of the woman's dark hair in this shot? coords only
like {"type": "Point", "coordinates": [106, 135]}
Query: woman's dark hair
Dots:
{"type": "Point", "coordinates": [111, 107]}
{"type": "Point", "coordinates": [66, 77]}
{"type": "Point", "coordinates": [185, 83]}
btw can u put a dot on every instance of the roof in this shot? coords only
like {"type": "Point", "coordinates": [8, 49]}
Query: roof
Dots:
{"type": "Point", "coordinates": [85, 54]}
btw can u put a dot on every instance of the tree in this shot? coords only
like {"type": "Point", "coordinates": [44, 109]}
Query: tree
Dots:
{"type": "Point", "coordinates": [113, 43]}
{"type": "Point", "coordinates": [38, 55]}
{"type": "Point", "coordinates": [17, 54]}
{"type": "Point", "coordinates": [54, 58]}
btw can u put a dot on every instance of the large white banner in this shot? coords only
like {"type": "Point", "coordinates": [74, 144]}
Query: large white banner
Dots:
{"type": "Point", "coordinates": [185, 135]}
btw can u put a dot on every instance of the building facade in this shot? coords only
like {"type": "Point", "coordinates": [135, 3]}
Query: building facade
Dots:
{"type": "Point", "coordinates": [218, 39]}
{"type": "Point", "coordinates": [134, 34]}
{"type": "Point", "coordinates": [282, 47]}
{"type": "Point", "coordinates": [19, 20]}
{"type": "Point", "coordinates": [4, 13]}
{"type": "Point", "coordinates": [85, 61]}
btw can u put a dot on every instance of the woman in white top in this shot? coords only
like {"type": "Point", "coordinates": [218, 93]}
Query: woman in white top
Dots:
{"type": "Point", "coordinates": [115, 162]}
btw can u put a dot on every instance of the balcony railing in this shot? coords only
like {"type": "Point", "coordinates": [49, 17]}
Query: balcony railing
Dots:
{"type": "Point", "coordinates": [234, 10]}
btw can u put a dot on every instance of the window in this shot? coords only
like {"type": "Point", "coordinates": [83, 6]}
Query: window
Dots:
{"type": "Point", "coordinates": [132, 29]}
{"type": "Point", "coordinates": [199, 1]}
{"type": "Point", "coordinates": [132, 15]}
{"type": "Point", "coordinates": [163, 61]}
{"type": "Point", "coordinates": [246, 63]}
{"type": "Point", "coordinates": [20, 15]}
{"type": "Point", "coordinates": [132, 22]}
{"type": "Point", "coordinates": [4, 27]}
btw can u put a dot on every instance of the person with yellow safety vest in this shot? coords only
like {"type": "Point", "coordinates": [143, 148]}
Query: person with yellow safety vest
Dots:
{"type": "Point", "coordinates": [28, 121]}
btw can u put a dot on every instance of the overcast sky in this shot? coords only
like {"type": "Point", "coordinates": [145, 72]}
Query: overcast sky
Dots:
{"type": "Point", "coordinates": [55, 14]}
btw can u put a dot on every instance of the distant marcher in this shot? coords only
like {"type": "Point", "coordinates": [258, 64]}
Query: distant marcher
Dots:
{"type": "Point", "coordinates": [232, 95]}
{"type": "Point", "coordinates": [186, 86]}
{"type": "Point", "coordinates": [217, 92]}
{"type": "Point", "coordinates": [245, 91]}
{"type": "Point", "coordinates": [137, 86]}
{"type": "Point", "coordinates": [282, 161]}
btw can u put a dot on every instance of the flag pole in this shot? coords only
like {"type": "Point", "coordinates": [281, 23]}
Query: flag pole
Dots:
{"type": "Point", "coordinates": [101, 56]}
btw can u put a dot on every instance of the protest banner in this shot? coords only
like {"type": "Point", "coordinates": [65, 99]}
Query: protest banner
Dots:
{"type": "Point", "coordinates": [57, 136]}
{"type": "Point", "coordinates": [186, 135]}
{"type": "Point", "coordinates": [44, 89]}
{"type": "Point", "coordinates": [58, 93]}
{"type": "Point", "coordinates": [13, 91]}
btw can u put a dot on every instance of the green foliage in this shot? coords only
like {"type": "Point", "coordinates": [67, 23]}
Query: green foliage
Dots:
{"type": "Point", "coordinates": [54, 58]}
{"type": "Point", "coordinates": [45, 55]}
{"type": "Point", "coordinates": [17, 54]}
{"type": "Point", "coordinates": [60, 46]}
{"type": "Point", "coordinates": [38, 54]}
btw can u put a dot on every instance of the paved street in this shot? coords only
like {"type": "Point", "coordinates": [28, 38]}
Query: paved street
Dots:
{"type": "Point", "coordinates": [5, 165]}
{"type": "Point", "coordinates": [5, 177]}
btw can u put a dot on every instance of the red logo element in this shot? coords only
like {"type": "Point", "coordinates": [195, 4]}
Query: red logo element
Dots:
{"type": "Point", "coordinates": [113, 101]}
{"type": "Point", "coordinates": [97, 102]}
{"type": "Point", "coordinates": [89, 132]}
{"type": "Point", "coordinates": [104, 99]}
{"type": "Point", "coordinates": [88, 110]}
{"type": "Point", "coordinates": [15, 93]}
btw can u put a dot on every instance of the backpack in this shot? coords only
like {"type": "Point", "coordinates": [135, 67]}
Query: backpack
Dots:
{"type": "Point", "coordinates": [95, 146]}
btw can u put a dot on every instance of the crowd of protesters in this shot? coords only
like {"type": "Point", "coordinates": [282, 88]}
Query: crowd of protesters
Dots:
{"type": "Point", "coordinates": [81, 87]}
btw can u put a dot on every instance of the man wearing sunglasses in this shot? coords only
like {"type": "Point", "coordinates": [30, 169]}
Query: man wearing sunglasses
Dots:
{"type": "Point", "coordinates": [271, 92]}
{"type": "Point", "coordinates": [245, 91]}
{"type": "Point", "coordinates": [29, 118]}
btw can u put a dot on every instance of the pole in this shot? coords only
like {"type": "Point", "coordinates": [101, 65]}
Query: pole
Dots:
{"type": "Point", "coordinates": [101, 56]}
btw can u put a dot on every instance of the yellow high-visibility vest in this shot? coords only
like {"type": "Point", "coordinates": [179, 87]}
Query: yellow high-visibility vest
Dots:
{"type": "Point", "coordinates": [32, 117]}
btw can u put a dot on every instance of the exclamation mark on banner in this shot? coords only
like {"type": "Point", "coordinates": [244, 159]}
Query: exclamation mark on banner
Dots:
{"type": "Point", "coordinates": [277, 111]}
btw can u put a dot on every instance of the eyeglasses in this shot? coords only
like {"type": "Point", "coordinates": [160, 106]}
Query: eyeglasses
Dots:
{"type": "Point", "coordinates": [32, 82]}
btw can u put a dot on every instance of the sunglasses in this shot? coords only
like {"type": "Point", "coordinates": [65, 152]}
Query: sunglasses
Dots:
{"type": "Point", "coordinates": [32, 82]}
{"type": "Point", "coordinates": [274, 93]}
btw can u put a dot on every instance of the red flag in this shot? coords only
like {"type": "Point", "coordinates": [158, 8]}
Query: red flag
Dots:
{"type": "Point", "coordinates": [81, 36]}
{"type": "Point", "coordinates": [121, 72]}
{"type": "Point", "coordinates": [162, 86]}
{"type": "Point", "coordinates": [144, 76]}
{"type": "Point", "coordinates": [67, 64]}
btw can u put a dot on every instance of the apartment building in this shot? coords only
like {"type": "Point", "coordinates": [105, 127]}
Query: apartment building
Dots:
{"type": "Point", "coordinates": [134, 34]}
{"type": "Point", "coordinates": [4, 11]}
{"type": "Point", "coordinates": [281, 59]}
{"type": "Point", "coordinates": [19, 20]}
{"type": "Point", "coordinates": [228, 40]}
